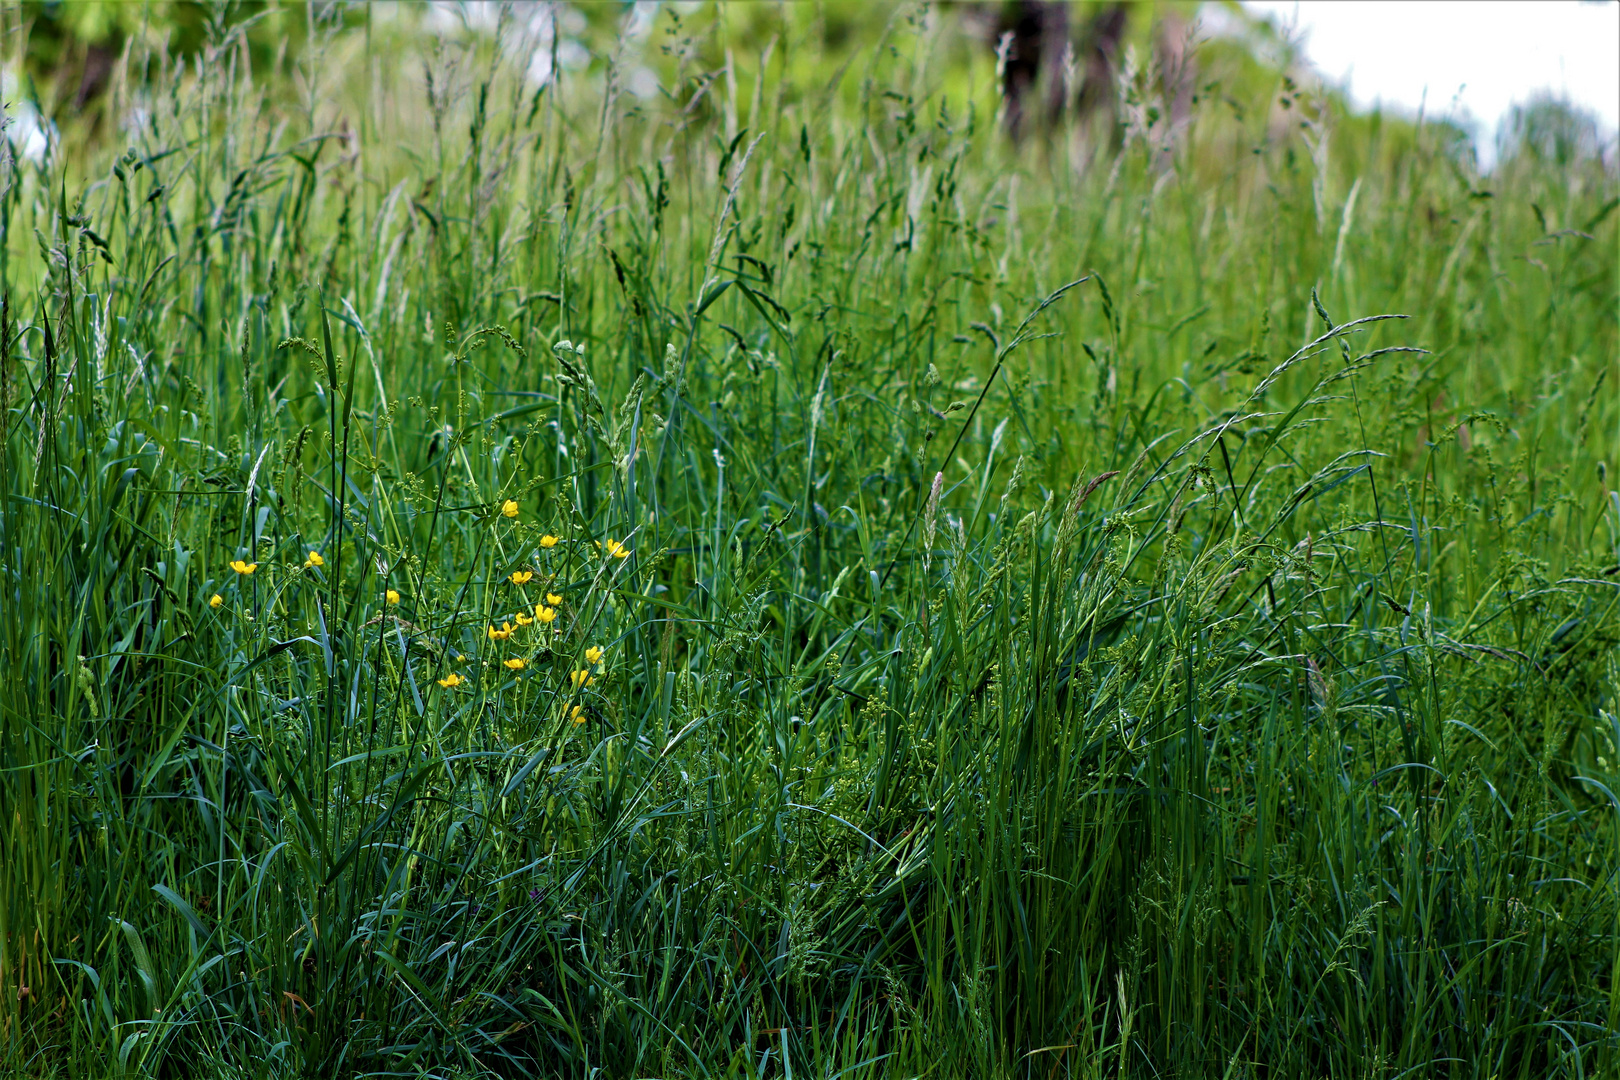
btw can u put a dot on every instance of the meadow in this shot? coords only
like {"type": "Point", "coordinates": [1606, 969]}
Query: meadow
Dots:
{"type": "Point", "coordinates": [775, 579]}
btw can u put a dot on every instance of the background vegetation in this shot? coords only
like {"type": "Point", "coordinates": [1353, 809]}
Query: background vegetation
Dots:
{"type": "Point", "coordinates": [1140, 602]}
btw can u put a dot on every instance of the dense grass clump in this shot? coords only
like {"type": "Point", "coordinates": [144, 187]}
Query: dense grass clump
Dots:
{"type": "Point", "coordinates": [775, 580]}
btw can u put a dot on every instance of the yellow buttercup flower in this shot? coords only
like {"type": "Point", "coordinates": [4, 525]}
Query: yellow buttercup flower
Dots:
{"type": "Point", "coordinates": [510, 508]}
{"type": "Point", "coordinates": [516, 664]}
{"type": "Point", "coordinates": [553, 599]}
{"type": "Point", "coordinates": [594, 654]}
{"type": "Point", "coordinates": [522, 619]}
{"type": "Point", "coordinates": [581, 678]}
{"type": "Point", "coordinates": [449, 680]}
{"type": "Point", "coordinates": [521, 577]}
{"type": "Point", "coordinates": [614, 549]}
{"type": "Point", "coordinates": [502, 634]}
{"type": "Point", "coordinates": [392, 596]}
{"type": "Point", "coordinates": [577, 714]}
{"type": "Point", "coordinates": [215, 600]}
{"type": "Point", "coordinates": [243, 567]}
{"type": "Point", "coordinates": [548, 541]}
{"type": "Point", "coordinates": [544, 614]}
{"type": "Point", "coordinates": [314, 560]}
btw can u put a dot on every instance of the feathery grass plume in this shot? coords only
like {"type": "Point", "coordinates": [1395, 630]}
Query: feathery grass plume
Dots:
{"type": "Point", "coordinates": [930, 515]}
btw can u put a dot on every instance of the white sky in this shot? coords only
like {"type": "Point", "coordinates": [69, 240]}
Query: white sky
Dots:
{"type": "Point", "coordinates": [1484, 55]}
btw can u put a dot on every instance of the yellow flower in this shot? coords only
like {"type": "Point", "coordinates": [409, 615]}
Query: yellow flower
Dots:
{"type": "Point", "coordinates": [543, 613]}
{"type": "Point", "coordinates": [314, 560]}
{"type": "Point", "coordinates": [502, 634]}
{"type": "Point", "coordinates": [581, 678]}
{"type": "Point", "coordinates": [615, 549]}
{"type": "Point", "coordinates": [522, 619]}
{"type": "Point", "coordinates": [577, 714]}
{"type": "Point", "coordinates": [548, 541]}
{"type": "Point", "coordinates": [392, 596]}
{"type": "Point", "coordinates": [521, 577]}
{"type": "Point", "coordinates": [243, 567]}
{"type": "Point", "coordinates": [594, 654]}
{"type": "Point", "coordinates": [449, 680]}
{"type": "Point", "coordinates": [516, 664]}
{"type": "Point", "coordinates": [553, 599]}
{"type": "Point", "coordinates": [215, 600]}
{"type": "Point", "coordinates": [510, 508]}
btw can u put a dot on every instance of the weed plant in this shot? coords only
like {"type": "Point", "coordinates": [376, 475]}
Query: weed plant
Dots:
{"type": "Point", "coordinates": [775, 580]}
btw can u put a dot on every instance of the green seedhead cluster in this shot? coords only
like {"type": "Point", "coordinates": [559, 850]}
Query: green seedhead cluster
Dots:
{"type": "Point", "coordinates": [776, 580]}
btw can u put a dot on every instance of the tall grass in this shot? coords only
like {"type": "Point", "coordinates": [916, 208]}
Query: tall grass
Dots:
{"type": "Point", "coordinates": [1153, 618]}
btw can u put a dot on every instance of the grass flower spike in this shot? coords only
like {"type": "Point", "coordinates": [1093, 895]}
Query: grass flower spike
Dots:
{"type": "Point", "coordinates": [243, 567]}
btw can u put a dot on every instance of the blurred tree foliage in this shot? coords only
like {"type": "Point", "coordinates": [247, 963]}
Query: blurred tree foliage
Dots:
{"type": "Point", "coordinates": [69, 50]}
{"type": "Point", "coordinates": [1550, 131]}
